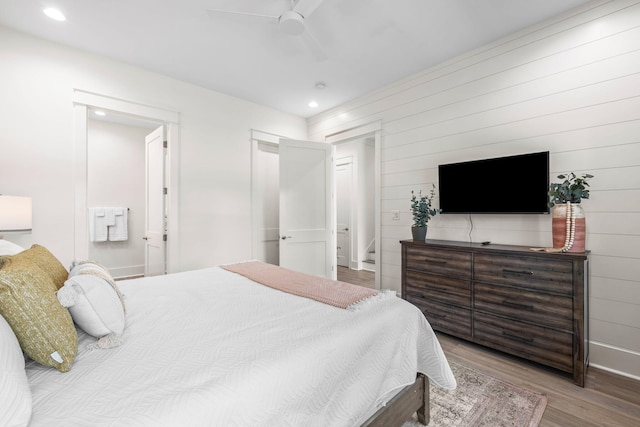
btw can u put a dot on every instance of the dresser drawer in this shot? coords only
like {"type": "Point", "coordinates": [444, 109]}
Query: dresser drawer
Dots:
{"type": "Point", "coordinates": [529, 272]}
{"type": "Point", "coordinates": [450, 320]}
{"type": "Point", "coordinates": [439, 261]}
{"type": "Point", "coordinates": [546, 346]}
{"type": "Point", "coordinates": [438, 288]}
{"type": "Point", "coordinates": [544, 309]}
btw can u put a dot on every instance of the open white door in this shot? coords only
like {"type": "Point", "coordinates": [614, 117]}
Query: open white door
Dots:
{"type": "Point", "coordinates": [307, 208]}
{"type": "Point", "coordinates": [155, 230]}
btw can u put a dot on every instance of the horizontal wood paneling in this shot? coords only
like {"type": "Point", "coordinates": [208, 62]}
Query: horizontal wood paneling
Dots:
{"type": "Point", "coordinates": [586, 20]}
{"type": "Point", "coordinates": [571, 86]}
{"type": "Point", "coordinates": [615, 334]}
{"type": "Point", "coordinates": [616, 290]}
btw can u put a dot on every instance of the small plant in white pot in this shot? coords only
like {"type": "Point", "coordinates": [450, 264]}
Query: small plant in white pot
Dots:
{"type": "Point", "coordinates": [422, 210]}
{"type": "Point", "coordinates": [568, 220]}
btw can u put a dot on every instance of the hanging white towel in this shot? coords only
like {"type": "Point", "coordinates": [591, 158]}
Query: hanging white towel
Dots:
{"type": "Point", "coordinates": [98, 230]}
{"type": "Point", "coordinates": [118, 231]}
{"type": "Point", "coordinates": [110, 216]}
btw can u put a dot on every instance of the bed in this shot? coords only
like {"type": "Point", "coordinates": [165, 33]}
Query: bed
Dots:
{"type": "Point", "coordinates": [211, 347]}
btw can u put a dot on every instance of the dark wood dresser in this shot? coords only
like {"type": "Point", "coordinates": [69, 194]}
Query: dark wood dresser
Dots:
{"type": "Point", "coordinates": [510, 298]}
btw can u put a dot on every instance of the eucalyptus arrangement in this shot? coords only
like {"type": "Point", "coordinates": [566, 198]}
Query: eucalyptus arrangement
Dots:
{"type": "Point", "coordinates": [572, 189]}
{"type": "Point", "coordinates": [422, 210]}
{"type": "Point", "coordinates": [568, 219]}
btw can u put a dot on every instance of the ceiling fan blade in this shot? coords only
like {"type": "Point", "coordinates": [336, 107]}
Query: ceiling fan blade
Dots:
{"type": "Point", "coordinates": [313, 45]}
{"type": "Point", "coordinates": [214, 12]}
{"type": "Point", "coordinates": [306, 7]}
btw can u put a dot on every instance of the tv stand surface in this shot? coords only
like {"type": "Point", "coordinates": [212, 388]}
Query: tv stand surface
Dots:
{"type": "Point", "coordinates": [527, 303]}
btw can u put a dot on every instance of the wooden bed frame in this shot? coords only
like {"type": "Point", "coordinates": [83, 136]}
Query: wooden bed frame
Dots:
{"type": "Point", "coordinates": [411, 399]}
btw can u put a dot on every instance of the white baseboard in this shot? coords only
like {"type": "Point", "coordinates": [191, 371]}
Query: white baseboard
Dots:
{"type": "Point", "coordinates": [127, 271]}
{"type": "Point", "coordinates": [614, 359]}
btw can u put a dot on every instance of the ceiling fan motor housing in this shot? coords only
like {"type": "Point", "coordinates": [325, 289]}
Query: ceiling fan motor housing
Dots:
{"type": "Point", "coordinates": [291, 23]}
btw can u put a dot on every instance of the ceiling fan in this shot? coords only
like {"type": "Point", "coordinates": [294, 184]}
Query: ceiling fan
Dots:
{"type": "Point", "coordinates": [291, 22]}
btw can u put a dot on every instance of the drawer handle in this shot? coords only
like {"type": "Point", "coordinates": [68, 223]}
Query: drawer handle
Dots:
{"type": "Point", "coordinates": [517, 305]}
{"type": "Point", "coordinates": [517, 273]}
{"type": "Point", "coordinates": [430, 261]}
{"type": "Point", "coordinates": [517, 338]}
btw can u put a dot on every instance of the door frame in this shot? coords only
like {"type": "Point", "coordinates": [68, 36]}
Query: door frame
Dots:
{"type": "Point", "coordinates": [367, 130]}
{"type": "Point", "coordinates": [83, 102]}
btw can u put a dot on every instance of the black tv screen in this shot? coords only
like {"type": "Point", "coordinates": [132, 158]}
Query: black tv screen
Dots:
{"type": "Point", "coordinates": [504, 185]}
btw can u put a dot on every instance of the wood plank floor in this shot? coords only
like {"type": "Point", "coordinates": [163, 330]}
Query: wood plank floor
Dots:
{"type": "Point", "coordinates": [357, 277]}
{"type": "Point", "coordinates": [606, 400]}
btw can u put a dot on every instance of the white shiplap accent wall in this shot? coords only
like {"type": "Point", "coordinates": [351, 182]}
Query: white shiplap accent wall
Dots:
{"type": "Point", "coordinates": [571, 86]}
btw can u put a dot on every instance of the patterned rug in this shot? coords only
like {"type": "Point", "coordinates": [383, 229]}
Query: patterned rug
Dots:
{"type": "Point", "coordinates": [480, 400]}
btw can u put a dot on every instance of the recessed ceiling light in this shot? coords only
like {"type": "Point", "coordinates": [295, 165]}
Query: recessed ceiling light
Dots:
{"type": "Point", "coordinates": [54, 14]}
{"type": "Point", "coordinates": [313, 104]}
{"type": "Point", "coordinates": [99, 113]}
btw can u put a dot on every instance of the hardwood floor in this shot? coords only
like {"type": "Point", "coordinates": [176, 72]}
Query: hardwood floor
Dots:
{"type": "Point", "coordinates": [606, 400]}
{"type": "Point", "coordinates": [357, 277]}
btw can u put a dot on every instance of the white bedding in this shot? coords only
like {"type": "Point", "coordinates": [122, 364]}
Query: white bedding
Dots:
{"type": "Point", "coordinates": [212, 348]}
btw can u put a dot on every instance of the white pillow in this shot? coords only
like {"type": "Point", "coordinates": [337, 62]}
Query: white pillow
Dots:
{"type": "Point", "coordinates": [8, 248]}
{"type": "Point", "coordinates": [95, 303]}
{"type": "Point", "coordinates": [15, 394]}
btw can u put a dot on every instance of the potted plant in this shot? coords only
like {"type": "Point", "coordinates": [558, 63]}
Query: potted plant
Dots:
{"type": "Point", "coordinates": [422, 210]}
{"type": "Point", "coordinates": [572, 189]}
{"type": "Point", "coordinates": [568, 220]}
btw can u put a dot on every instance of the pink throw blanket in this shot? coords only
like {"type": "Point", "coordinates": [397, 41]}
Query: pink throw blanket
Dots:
{"type": "Point", "coordinates": [332, 292]}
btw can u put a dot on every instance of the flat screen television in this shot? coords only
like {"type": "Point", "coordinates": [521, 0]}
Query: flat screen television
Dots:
{"type": "Point", "coordinates": [504, 185]}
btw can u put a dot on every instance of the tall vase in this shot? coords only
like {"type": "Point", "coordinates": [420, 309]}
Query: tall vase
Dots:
{"type": "Point", "coordinates": [562, 229]}
{"type": "Point", "coordinates": [419, 233]}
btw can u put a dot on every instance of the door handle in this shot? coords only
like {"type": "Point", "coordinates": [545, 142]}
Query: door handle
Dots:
{"type": "Point", "coordinates": [285, 237]}
{"type": "Point", "coordinates": [345, 229]}
{"type": "Point", "coordinates": [145, 238]}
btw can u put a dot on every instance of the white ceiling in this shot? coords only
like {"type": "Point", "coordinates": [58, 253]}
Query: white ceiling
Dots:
{"type": "Point", "coordinates": [368, 43]}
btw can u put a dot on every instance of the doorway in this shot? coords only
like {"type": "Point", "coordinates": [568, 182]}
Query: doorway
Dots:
{"type": "Point", "coordinates": [355, 209]}
{"type": "Point", "coordinates": [266, 202]}
{"type": "Point", "coordinates": [127, 113]}
{"type": "Point", "coordinates": [365, 227]}
{"type": "Point", "coordinates": [114, 146]}
{"type": "Point", "coordinates": [261, 245]}
{"type": "Point", "coordinates": [298, 170]}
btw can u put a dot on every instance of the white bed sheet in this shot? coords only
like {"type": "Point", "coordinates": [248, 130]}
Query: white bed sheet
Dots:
{"type": "Point", "coordinates": [212, 348]}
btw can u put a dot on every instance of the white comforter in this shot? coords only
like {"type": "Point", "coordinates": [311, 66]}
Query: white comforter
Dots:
{"type": "Point", "coordinates": [212, 348]}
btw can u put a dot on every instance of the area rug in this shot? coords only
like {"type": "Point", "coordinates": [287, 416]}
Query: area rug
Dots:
{"type": "Point", "coordinates": [480, 400]}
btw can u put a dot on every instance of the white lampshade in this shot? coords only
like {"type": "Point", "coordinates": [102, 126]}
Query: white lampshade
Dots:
{"type": "Point", "coordinates": [15, 213]}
